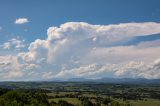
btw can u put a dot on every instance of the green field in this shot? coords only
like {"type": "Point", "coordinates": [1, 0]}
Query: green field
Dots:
{"type": "Point", "coordinates": [147, 102]}
{"type": "Point", "coordinates": [150, 102]}
{"type": "Point", "coordinates": [73, 101]}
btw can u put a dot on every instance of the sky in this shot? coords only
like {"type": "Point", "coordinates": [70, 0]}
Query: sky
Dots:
{"type": "Point", "coordinates": [63, 39]}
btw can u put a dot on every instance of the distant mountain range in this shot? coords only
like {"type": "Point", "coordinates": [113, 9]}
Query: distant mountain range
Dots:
{"type": "Point", "coordinates": [141, 81]}
{"type": "Point", "coordinates": [117, 80]}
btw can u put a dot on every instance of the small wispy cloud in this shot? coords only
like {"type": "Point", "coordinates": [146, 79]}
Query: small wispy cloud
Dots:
{"type": "Point", "coordinates": [13, 43]}
{"type": "Point", "coordinates": [21, 21]}
{"type": "Point", "coordinates": [0, 28]}
{"type": "Point", "coordinates": [6, 45]}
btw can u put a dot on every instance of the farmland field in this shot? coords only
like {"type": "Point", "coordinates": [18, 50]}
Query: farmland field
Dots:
{"type": "Point", "coordinates": [80, 94]}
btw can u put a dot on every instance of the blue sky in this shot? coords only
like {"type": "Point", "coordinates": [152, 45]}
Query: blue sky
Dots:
{"type": "Point", "coordinates": [43, 14]}
{"type": "Point", "coordinates": [54, 34]}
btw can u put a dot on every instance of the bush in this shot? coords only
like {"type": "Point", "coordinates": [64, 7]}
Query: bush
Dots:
{"type": "Point", "coordinates": [87, 102]}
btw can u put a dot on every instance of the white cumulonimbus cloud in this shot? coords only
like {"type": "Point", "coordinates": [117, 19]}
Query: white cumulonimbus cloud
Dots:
{"type": "Point", "coordinates": [21, 21]}
{"type": "Point", "coordinates": [79, 49]}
